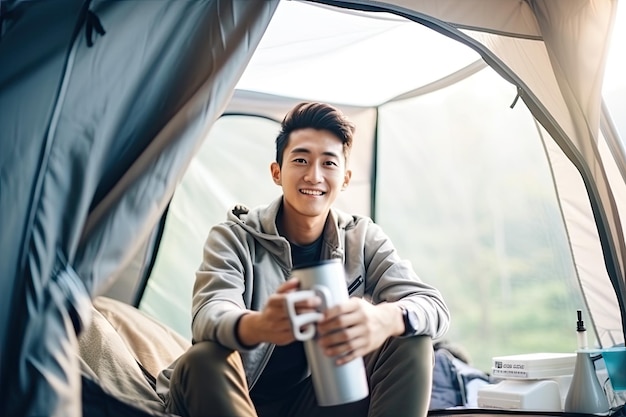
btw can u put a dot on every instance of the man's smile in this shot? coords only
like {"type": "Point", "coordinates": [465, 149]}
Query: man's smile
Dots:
{"type": "Point", "coordinates": [311, 192]}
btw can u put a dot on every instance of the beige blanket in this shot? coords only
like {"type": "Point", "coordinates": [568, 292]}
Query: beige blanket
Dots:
{"type": "Point", "coordinates": [119, 342]}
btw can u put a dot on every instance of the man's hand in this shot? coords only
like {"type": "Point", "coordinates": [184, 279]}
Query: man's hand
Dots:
{"type": "Point", "coordinates": [357, 327]}
{"type": "Point", "coordinates": [272, 324]}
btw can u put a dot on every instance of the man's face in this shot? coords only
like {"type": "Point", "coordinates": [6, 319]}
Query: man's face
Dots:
{"type": "Point", "coordinates": [313, 172]}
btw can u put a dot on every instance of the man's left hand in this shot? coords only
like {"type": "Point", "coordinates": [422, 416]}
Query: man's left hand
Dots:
{"type": "Point", "coordinates": [357, 327]}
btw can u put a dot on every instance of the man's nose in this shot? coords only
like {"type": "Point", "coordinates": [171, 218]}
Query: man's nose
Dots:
{"type": "Point", "coordinates": [313, 174]}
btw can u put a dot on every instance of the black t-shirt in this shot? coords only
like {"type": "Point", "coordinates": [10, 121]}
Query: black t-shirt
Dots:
{"type": "Point", "coordinates": [287, 365]}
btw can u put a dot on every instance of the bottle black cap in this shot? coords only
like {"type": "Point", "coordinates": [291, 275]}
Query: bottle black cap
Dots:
{"type": "Point", "coordinates": [580, 324]}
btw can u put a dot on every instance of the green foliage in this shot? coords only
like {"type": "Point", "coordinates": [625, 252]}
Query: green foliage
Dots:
{"type": "Point", "coordinates": [485, 224]}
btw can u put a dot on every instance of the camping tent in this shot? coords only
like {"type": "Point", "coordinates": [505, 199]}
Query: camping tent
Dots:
{"type": "Point", "coordinates": [103, 105]}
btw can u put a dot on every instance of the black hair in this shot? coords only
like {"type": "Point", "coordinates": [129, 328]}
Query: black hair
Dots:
{"type": "Point", "coordinates": [318, 116]}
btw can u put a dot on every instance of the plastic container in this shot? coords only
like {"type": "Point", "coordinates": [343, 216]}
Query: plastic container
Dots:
{"type": "Point", "coordinates": [530, 395]}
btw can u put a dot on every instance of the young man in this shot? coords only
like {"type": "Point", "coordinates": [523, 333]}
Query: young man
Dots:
{"type": "Point", "coordinates": [245, 360]}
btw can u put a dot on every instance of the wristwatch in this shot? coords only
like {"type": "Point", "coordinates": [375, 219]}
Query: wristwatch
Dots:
{"type": "Point", "coordinates": [410, 322]}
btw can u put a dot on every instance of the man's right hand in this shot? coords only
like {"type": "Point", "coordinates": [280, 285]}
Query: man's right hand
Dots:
{"type": "Point", "coordinates": [272, 324]}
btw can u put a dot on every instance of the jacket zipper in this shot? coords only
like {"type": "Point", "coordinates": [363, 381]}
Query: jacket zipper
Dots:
{"type": "Point", "coordinates": [355, 284]}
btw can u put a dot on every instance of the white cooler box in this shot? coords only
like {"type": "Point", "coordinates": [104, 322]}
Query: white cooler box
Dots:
{"type": "Point", "coordinates": [531, 395]}
{"type": "Point", "coordinates": [533, 382]}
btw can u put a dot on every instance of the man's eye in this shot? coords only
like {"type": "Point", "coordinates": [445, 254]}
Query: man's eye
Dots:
{"type": "Point", "coordinates": [331, 163]}
{"type": "Point", "coordinates": [300, 160]}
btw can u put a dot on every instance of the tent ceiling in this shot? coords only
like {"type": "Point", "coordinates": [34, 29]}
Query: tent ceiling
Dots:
{"type": "Point", "coordinates": [409, 55]}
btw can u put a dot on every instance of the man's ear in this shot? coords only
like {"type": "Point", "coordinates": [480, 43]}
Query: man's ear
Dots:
{"type": "Point", "coordinates": [275, 170]}
{"type": "Point", "coordinates": [346, 179]}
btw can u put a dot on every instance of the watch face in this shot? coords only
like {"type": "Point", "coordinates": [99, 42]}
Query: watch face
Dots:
{"type": "Point", "coordinates": [412, 319]}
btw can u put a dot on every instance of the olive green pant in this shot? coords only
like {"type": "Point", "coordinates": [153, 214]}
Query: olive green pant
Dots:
{"type": "Point", "coordinates": [209, 380]}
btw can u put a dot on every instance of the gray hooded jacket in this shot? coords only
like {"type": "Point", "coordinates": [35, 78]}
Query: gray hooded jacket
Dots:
{"type": "Point", "coordinates": [245, 260]}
